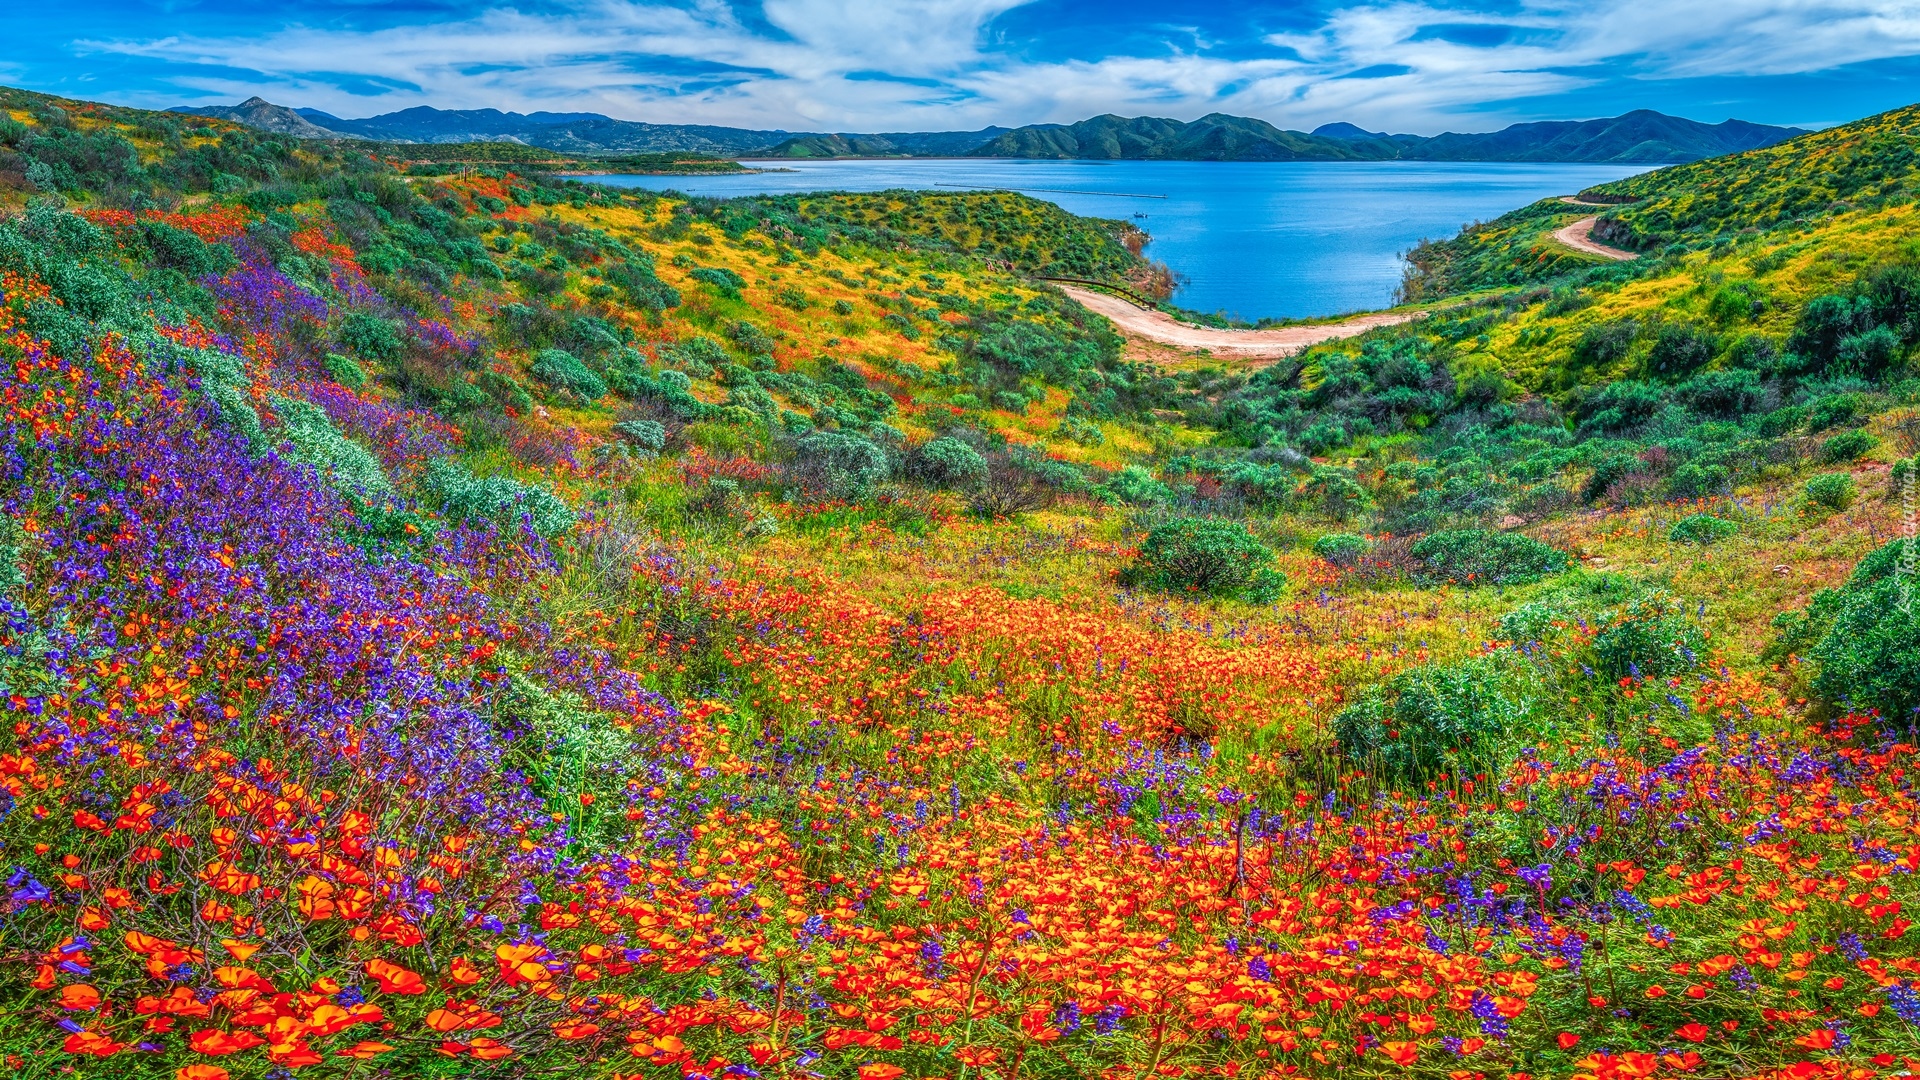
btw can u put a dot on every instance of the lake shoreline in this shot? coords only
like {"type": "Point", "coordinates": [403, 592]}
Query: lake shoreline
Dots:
{"type": "Point", "coordinates": [1281, 241]}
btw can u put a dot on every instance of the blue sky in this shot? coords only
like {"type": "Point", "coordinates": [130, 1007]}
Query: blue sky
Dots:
{"type": "Point", "coordinates": [868, 65]}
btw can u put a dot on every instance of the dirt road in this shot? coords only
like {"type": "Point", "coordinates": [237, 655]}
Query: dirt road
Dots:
{"type": "Point", "coordinates": [1578, 236]}
{"type": "Point", "coordinates": [1242, 344]}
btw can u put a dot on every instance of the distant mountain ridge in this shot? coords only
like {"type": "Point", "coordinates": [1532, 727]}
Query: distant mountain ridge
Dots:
{"type": "Point", "coordinates": [1642, 137]}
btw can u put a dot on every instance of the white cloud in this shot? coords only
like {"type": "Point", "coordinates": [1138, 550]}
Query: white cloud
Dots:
{"type": "Point", "coordinates": [933, 64]}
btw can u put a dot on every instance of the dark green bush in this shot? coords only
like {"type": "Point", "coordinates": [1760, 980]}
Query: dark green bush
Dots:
{"type": "Point", "coordinates": [752, 340]}
{"type": "Point", "coordinates": [723, 280]}
{"type": "Point", "coordinates": [1136, 486]}
{"type": "Point", "coordinates": [370, 337]}
{"type": "Point", "coordinates": [1846, 446]}
{"type": "Point", "coordinates": [1701, 529]}
{"type": "Point", "coordinates": [345, 372]}
{"type": "Point", "coordinates": [1619, 407]}
{"type": "Point", "coordinates": [181, 250]}
{"type": "Point", "coordinates": [1693, 480]}
{"type": "Point", "coordinates": [564, 371]}
{"type": "Point", "coordinates": [1651, 636]}
{"type": "Point", "coordinates": [1833, 411]}
{"type": "Point", "coordinates": [1461, 717]}
{"type": "Point", "coordinates": [1723, 395]}
{"type": "Point", "coordinates": [1344, 550]}
{"type": "Point", "coordinates": [1868, 635]}
{"type": "Point", "coordinates": [1834, 491]}
{"type": "Point", "coordinates": [947, 462]}
{"type": "Point", "coordinates": [1207, 556]}
{"type": "Point", "coordinates": [1678, 350]}
{"type": "Point", "coordinates": [1486, 557]}
{"type": "Point", "coordinates": [1606, 343]}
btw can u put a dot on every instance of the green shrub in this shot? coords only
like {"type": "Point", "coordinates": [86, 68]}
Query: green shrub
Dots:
{"type": "Point", "coordinates": [1832, 412]}
{"type": "Point", "coordinates": [842, 307]}
{"type": "Point", "coordinates": [752, 340]}
{"type": "Point", "coordinates": [1865, 635]}
{"type": "Point", "coordinates": [312, 439]}
{"type": "Point", "coordinates": [1781, 421]}
{"type": "Point", "coordinates": [724, 281]}
{"type": "Point", "coordinates": [1832, 490]}
{"type": "Point", "coordinates": [1651, 637]}
{"type": "Point", "coordinates": [1606, 343]}
{"type": "Point", "coordinates": [1619, 407]}
{"type": "Point", "coordinates": [1693, 480]}
{"type": "Point", "coordinates": [1904, 474]}
{"type": "Point", "coordinates": [839, 465]}
{"type": "Point", "coordinates": [1336, 494]}
{"type": "Point", "coordinates": [1344, 550]}
{"type": "Point", "coordinates": [1701, 529]}
{"type": "Point", "coordinates": [1462, 717]}
{"type": "Point", "coordinates": [947, 462]}
{"type": "Point", "coordinates": [1206, 556]}
{"type": "Point", "coordinates": [564, 371]}
{"type": "Point", "coordinates": [501, 499]}
{"type": "Point", "coordinates": [1136, 486]}
{"type": "Point", "coordinates": [645, 434]}
{"type": "Point", "coordinates": [1680, 349]}
{"type": "Point", "coordinates": [345, 372]}
{"type": "Point", "coordinates": [181, 250]}
{"type": "Point", "coordinates": [1723, 395]}
{"type": "Point", "coordinates": [370, 337]}
{"type": "Point", "coordinates": [1846, 446]}
{"type": "Point", "coordinates": [1486, 557]}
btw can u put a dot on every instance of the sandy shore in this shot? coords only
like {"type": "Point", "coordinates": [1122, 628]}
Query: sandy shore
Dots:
{"type": "Point", "coordinates": [1245, 344]}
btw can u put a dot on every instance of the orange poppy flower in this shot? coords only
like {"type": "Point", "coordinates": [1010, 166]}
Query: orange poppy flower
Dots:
{"type": "Point", "coordinates": [394, 979]}
{"type": "Point", "coordinates": [79, 996]}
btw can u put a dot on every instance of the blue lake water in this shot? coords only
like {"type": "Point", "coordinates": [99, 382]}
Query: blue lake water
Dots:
{"type": "Point", "coordinates": [1253, 239]}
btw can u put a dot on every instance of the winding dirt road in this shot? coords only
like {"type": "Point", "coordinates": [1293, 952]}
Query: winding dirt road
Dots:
{"type": "Point", "coordinates": [1239, 344]}
{"type": "Point", "coordinates": [1578, 236]}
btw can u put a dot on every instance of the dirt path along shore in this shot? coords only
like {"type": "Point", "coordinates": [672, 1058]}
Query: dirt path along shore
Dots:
{"type": "Point", "coordinates": [1242, 344]}
{"type": "Point", "coordinates": [1579, 237]}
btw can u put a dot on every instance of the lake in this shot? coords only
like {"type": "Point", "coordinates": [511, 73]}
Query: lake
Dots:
{"type": "Point", "coordinates": [1289, 239]}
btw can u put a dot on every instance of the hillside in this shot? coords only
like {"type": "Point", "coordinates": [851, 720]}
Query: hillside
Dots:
{"type": "Point", "coordinates": [1795, 185]}
{"type": "Point", "coordinates": [465, 622]}
{"type": "Point", "coordinates": [1641, 137]}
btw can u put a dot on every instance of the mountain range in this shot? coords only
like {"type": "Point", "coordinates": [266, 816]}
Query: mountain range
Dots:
{"type": "Point", "coordinates": [1642, 137]}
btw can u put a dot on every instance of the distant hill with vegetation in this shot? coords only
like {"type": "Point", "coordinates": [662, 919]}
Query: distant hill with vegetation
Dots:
{"type": "Point", "coordinates": [1641, 137]}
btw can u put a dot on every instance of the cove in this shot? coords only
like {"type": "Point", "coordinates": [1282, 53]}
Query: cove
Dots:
{"type": "Point", "coordinates": [1296, 239]}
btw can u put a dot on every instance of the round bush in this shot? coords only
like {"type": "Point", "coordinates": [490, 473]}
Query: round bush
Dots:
{"type": "Point", "coordinates": [1486, 557]}
{"type": "Point", "coordinates": [1435, 718]}
{"type": "Point", "coordinates": [1870, 658]}
{"type": "Point", "coordinates": [1652, 637]}
{"type": "Point", "coordinates": [1342, 549]}
{"type": "Point", "coordinates": [1846, 446]}
{"type": "Point", "coordinates": [1701, 529]}
{"type": "Point", "coordinates": [839, 465]}
{"type": "Point", "coordinates": [1831, 490]}
{"type": "Point", "coordinates": [564, 371]}
{"type": "Point", "coordinates": [370, 336]}
{"type": "Point", "coordinates": [1204, 555]}
{"type": "Point", "coordinates": [645, 434]}
{"type": "Point", "coordinates": [947, 462]}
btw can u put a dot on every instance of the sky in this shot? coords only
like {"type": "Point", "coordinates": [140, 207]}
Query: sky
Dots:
{"type": "Point", "coordinates": [1420, 66]}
